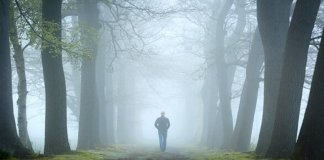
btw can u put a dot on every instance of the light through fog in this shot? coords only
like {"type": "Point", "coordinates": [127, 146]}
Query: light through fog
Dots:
{"type": "Point", "coordinates": [191, 59]}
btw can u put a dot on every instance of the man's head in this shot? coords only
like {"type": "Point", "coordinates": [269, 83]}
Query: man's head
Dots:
{"type": "Point", "coordinates": [162, 113]}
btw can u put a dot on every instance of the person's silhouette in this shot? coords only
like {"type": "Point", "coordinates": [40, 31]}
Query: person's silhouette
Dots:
{"type": "Point", "coordinates": [162, 124]}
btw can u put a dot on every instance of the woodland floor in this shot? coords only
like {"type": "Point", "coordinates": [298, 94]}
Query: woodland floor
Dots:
{"type": "Point", "coordinates": [129, 152]}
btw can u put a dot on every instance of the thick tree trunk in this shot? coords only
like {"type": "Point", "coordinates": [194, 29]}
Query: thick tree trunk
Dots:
{"type": "Point", "coordinates": [9, 140]}
{"type": "Point", "coordinates": [243, 129]}
{"type": "Point", "coordinates": [292, 79]}
{"type": "Point", "coordinates": [56, 136]}
{"type": "Point", "coordinates": [310, 143]}
{"type": "Point", "coordinates": [89, 107]}
{"type": "Point", "coordinates": [22, 85]}
{"type": "Point", "coordinates": [273, 20]}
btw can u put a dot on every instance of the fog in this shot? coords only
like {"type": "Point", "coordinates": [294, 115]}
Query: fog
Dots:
{"type": "Point", "coordinates": [156, 56]}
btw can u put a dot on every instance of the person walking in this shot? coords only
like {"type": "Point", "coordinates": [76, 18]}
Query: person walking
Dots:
{"type": "Point", "coordinates": [162, 124]}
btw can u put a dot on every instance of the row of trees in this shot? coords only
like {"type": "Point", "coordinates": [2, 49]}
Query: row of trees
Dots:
{"type": "Point", "coordinates": [285, 44]}
{"type": "Point", "coordinates": [280, 40]}
{"type": "Point", "coordinates": [41, 25]}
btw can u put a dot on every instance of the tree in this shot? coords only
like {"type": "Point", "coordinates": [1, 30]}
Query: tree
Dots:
{"type": "Point", "coordinates": [292, 79]}
{"type": "Point", "coordinates": [222, 76]}
{"type": "Point", "coordinates": [310, 142]}
{"type": "Point", "coordinates": [273, 22]}
{"type": "Point", "coordinates": [22, 85]}
{"type": "Point", "coordinates": [9, 140]}
{"type": "Point", "coordinates": [56, 137]}
{"type": "Point", "coordinates": [125, 110]}
{"type": "Point", "coordinates": [211, 118]}
{"type": "Point", "coordinates": [89, 107]}
{"type": "Point", "coordinates": [241, 138]}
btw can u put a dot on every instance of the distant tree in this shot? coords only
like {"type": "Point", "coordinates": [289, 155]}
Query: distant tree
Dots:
{"type": "Point", "coordinates": [222, 75]}
{"type": "Point", "coordinates": [241, 138]}
{"type": "Point", "coordinates": [292, 79]}
{"type": "Point", "coordinates": [22, 85]}
{"type": "Point", "coordinates": [213, 119]}
{"type": "Point", "coordinates": [310, 142]}
{"type": "Point", "coordinates": [273, 22]}
{"type": "Point", "coordinates": [89, 107]}
{"type": "Point", "coordinates": [125, 105]}
{"type": "Point", "coordinates": [9, 140]}
{"type": "Point", "coordinates": [212, 128]}
{"type": "Point", "coordinates": [56, 136]}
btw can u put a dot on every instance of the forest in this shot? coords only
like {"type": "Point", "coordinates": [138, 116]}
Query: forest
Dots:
{"type": "Point", "coordinates": [162, 79]}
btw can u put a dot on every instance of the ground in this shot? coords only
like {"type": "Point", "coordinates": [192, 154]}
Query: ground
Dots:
{"type": "Point", "coordinates": [132, 152]}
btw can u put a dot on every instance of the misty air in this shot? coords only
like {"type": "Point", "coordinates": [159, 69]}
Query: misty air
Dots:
{"type": "Point", "coordinates": [161, 79]}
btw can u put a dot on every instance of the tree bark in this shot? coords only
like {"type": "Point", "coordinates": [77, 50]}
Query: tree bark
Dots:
{"type": "Point", "coordinates": [9, 140]}
{"type": "Point", "coordinates": [212, 121]}
{"type": "Point", "coordinates": [105, 91]}
{"type": "Point", "coordinates": [273, 21]}
{"type": "Point", "coordinates": [212, 128]}
{"type": "Point", "coordinates": [56, 136]}
{"type": "Point", "coordinates": [292, 79]}
{"type": "Point", "coordinates": [89, 107]}
{"type": "Point", "coordinates": [22, 85]}
{"type": "Point", "coordinates": [243, 129]}
{"type": "Point", "coordinates": [125, 110]}
{"type": "Point", "coordinates": [310, 143]}
{"type": "Point", "coordinates": [222, 76]}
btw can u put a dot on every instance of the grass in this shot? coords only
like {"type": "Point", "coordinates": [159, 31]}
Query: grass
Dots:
{"type": "Point", "coordinates": [132, 152]}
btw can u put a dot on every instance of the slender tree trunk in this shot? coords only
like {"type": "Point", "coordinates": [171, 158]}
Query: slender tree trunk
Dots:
{"type": "Point", "coordinates": [125, 110]}
{"type": "Point", "coordinates": [212, 120]}
{"type": "Point", "coordinates": [222, 76]}
{"type": "Point", "coordinates": [273, 21]}
{"type": "Point", "coordinates": [56, 136]}
{"type": "Point", "coordinates": [211, 134]}
{"type": "Point", "coordinates": [89, 107]}
{"type": "Point", "coordinates": [110, 108]}
{"type": "Point", "coordinates": [292, 79]}
{"type": "Point", "coordinates": [105, 92]}
{"type": "Point", "coordinates": [234, 39]}
{"type": "Point", "coordinates": [310, 143]}
{"type": "Point", "coordinates": [22, 85]}
{"type": "Point", "coordinates": [243, 129]}
{"type": "Point", "coordinates": [100, 81]}
{"type": "Point", "coordinates": [9, 140]}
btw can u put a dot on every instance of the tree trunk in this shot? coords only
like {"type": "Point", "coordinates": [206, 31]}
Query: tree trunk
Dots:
{"type": "Point", "coordinates": [273, 21]}
{"type": "Point", "coordinates": [243, 129]}
{"type": "Point", "coordinates": [56, 136]}
{"type": "Point", "coordinates": [212, 121]}
{"type": "Point", "coordinates": [292, 79]}
{"type": "Point", "coordinates": [110, 110]}
{"type": "Point", "coordinates": [105, 92]}
{"type": "Point", "coordinates": [222, 76]}
{"type": "Point", "coordinates": [22, 86]}
{"type": "Point", "coordinates": [9, 140]}
{"type": "Point", "coordinates": [211, 132]}
{"type": "Point", "coordinates": [310, 143]}
{"type": "Point", "coordinates": [125, 110]}
{"type": "Point", "coordinates": [89, 109]}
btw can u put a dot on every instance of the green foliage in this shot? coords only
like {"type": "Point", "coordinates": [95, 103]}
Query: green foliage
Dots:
{"type": "Point", "coordinates": [32, 30]}
{"type": "Point", "coordinates": [149, 152]}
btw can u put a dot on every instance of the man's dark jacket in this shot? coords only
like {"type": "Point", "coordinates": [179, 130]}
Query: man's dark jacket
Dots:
{"type": "Point", "coordinates": [162, 124]}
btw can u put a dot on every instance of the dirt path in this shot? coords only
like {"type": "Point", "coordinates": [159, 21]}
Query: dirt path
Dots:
{"type": "Point", "coordinates": [149, 153]}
